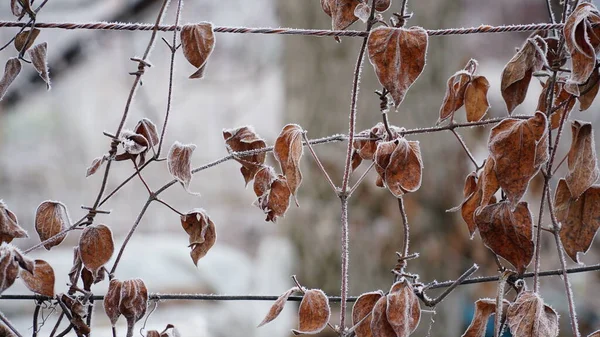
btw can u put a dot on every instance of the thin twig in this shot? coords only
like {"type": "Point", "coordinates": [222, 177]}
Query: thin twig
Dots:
{"type": "Point", "coordinates": [60, 317]}
{"type": "Point", "coordinates": [319, 164]}
{"type": "Point", "coordinates": [9, 325]}
{"type": "Point", "coordinates": [361, 178]}
{"type": "Point", "coordinates": [464, 146]}
{"type": "Point", "coordinates": [459, 281]}
{"type": "Point", "coordinates": [36, 313]}
{"type": "Point", "coordinates": [169, 206]}
{"type": "Point", "coordinates": [406, 240]}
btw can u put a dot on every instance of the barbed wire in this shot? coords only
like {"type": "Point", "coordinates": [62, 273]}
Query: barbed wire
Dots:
{"type": "Point", "coordinates": [120, 26]}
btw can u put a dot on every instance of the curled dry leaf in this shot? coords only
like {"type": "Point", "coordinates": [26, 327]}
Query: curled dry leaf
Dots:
{"type": "Point", "coordinates": [382, 5]}
{"type": "Point", "coordinates": [484, 308]}
{"type": "Point", "coordinates": [365, 144]}
{"type": "Point", "coordinates": [341, 12]}
{"type": "Point", "coordinates": [51, 218]}
{"type": "Point", "coordinates": [133, 143]}
{"type": "Point", "coordinates": [111, 301]}
{"type": "Point", "coordinates": [76, 268]}
{"type": "Point", "coordinates": [277, 307]}
{"type": "Point", "coordinates": [581, 160]}
{"type": "Point", "coordinates": [96, 247]}
{"type": "Point", "coordinates": [38, 55]}
{"type": "Point", "coordinates": [362, 11]}
{"type": "Point", "coordinates": [11, 260]}
{"type": "Point", "coordinates": [518, 71]}
{"type": "Point", "coordinates": [580, 218]}
{"type": "Point", "coordinates": [380, 327]}
{"type": "Point", "coordinates": [147, 129]}
{"type": "Point", "coordinates": [361, 313]}
{"type": "Point", "coordinates": [89, 279]}
{"type": "Point", "coordinates": [476, 101]}
{"type": "Point", "coordinates": [197, 42]}
{"type": "Point", "coordinates": [179, 162]}
{"type": "Point", "coordinates": [202, 232]}
{"type": "Point", "coordinates": [589, 90]}
{"type": "Point", "coordinates": [314, 312]}
{"type": "Point", "coordinates": [41, 281]}
{"type": "Point", "coordinates": [9, 225]}
{"type": "Point", "coordinates": [398, 56]}
{"type": "Point", "coordinates": [508, 233]}
{"type": "Point", "coordinates": [403, 308]}
{"type": "Point", "coordinates": [278, 200]}
{"type": "Point", "coordinates": [133, 303]}
{"type": "Point", "coordinates": [96, 164]}
{"type": "Point", "coordinates": [399, 164]}
{"type": "Point", "coordinates": [263, 180]}
{"type": "Point", "coordinates": [454, 98]}
{"type": "Point", "coordinates": [563, 102]}
{"type": "Point", "coordinates": [582, 41]}
{"type": "Point", "coordinates": [24, 41]}
{"type": "Point", "coordinates": [528, 316]}
{"type": "Point", "coordinates": [518, 148]}
{"type": "Point", "coordinates": [78, 312]}
{"type": "Point", "coordinates": [11, 71]}
{"type": "Point", "coordinates": [288, 152]}
{"type": "Point", "coordinates": [245, 139]}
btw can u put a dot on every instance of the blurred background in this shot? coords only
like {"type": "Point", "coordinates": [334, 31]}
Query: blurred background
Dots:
{"type": "Point", "coordinates": [48, 139]}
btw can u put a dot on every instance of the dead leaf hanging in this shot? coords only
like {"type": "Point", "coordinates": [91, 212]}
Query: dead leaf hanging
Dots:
{"type": "Point", "coordinates": [518, 71]}
{"type": "Point", "coordinates": [398, 56]}
{"type": "Point", "coordinates": [112, 300]}
{"type": "Point", "coordinates": [96, 164]}
{"type": "Point", "coordinates": [580, 218]}
{"type": "Point", "coordinates": [277, 307]}
{"type": "Point", "coordinates": [41, 281]}
{"type": "Point", "coordinates": [9, 225]}
{"type": "Point", "coordinates": [454, 98]}
{"type": "Point", "coordinates": [363, 307]}
{"type": "Point", "coordinates": [51, 218]}
{"type": "Point", "coordinates": [288, 152]}
{"type": "Point", "coordinates": [528, 316]}
{"type": "Point", "coordinates": [245, 139]}
{"type": "Point", "coordinates": [380, 327]}
{"type": "Point", "coordinates": [179, 162]}
{"type": "Point", "coordinates": [366, 142]}
{"type": "Point", "coordinates": [278, 200]}
{"type": "Point", "coordinates": [563, 102]}
{"type": "Point", "coordinates": [96, 247]}
{"type": "Point", "coordinates": [314, 312]}
{"type": "Point", "coordinates": [341, 12]}
{"type": "Point", "coordinates": [508, 233]}
{"type": "Point", "coordinates": [589, 90]}
{"type": "Point", "coordinates": [147, 129]}
{"type": "Point", "coordinates": [202, 232]}
{"type": "Point", "coordinates": [476, 101]}
{"type": "Point", "coordinates": [25, 39]}
{"type": "Point", "coordinates": [197, 42]}
{"type": "Point", "coordinates": [38, 55]}
{"type": "Point", "coordinates": [399, 164]}
{"type": "Point", "coordinates": [11, 260]}
{"type": "Point", "coordinates": [11, 71]}
{"type": "Point", "coordinates": [581, 160]}
{"type": "Point", "coordinates": [133, 303]}
{"type": "Point", "coordinates": [518, 148]}
{"type": "Point", "coordinates": [484, 308]}
{"type": "Point", "coordinates": [403, 308]}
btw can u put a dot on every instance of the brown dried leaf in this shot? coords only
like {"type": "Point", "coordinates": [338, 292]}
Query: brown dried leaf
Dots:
{"type": "Point", "coordinates": [581, 44]}
{"type": "Point", "coordinates": [202, 232]}
{"type": "Point", "coordinates": [41, 281]}
{"type": "Point", "coordinates": [380, 327]}
{"type": "Point", "coordinates": [489, 183]}
{"type": "Point", "coordinates": [134, 301]}
{"type": "Point", "coordinates": [382, 5]}
{"type": "Point", "coordinates": [363, 307]}
{"type": "Point", "coordinates": [288, 151]}
{"type": "Point", "coordinates": [111, 301]}
{"type": "Point", "coordinates": [528, 316]}
{"type": "Point", "coordinates": [314, 312]}
{"type": "Point", "coordinates": [89, 279]}
{"type": "Point", "coordinates": [245, 139]}
{"type": "Point", "coordinates": [398, 56]}
{"type": "Point", "coordinates": [484, 308]}
{"type": "Point", "coordinates": [277, 307]}
{"type": "Point", "coordinates": [179, 162]}
{"type": "Point", "coordinates": [507, 233]}
{"type": "Point", "coordinates": [21, 39]}
{"type": "Point", "coordinates": [78, 312]}
{"type": "Point", "coordinates": [362, 11]}
{"type": "Point", "coordinates": [341, 12]}
{"type": "Point", "coordinates": [153, 333]}
{"type": "Point", "coordinates": [197, 42]}
{"type": "Point", "coordinates": [9, 225]}
{"type": "Point", "coordinates": [580, 218]}
{"type": "Point", "coordinates": [562, 99]}
{"type": "Point", "coordinates": [518, 148]}
{"type": "Point", "coordinates": [96, 164]}
{"type": "Point", "coordinates": [147, 129]}
{"type": "Point", "coordinates": [96, 247]}
{"type": "Point", "coordinates": [11, 71]}
{"type": "Point", "coordinates": [38, 55]}
{"type": "Point", "coordinates": [454, 98]}
{"type": "Point", "coordinates": [263, 180]}
{"type": "Point", "coordinates": [518, 72]}
{"type": "Point", "coordinates": [16, 8]}
{"type": "Point", "coordinates": [367, 146]}
{"type": "Point", "coordinates": [583, 167]}
{"type": "Point", "coordinates": [278, 200]}
{"type": "Point", "coordinates": [8, 266]}
{"type": "Point", "coordinates": [399, 164]}
{"type": "Point", "coordinates": [356, 160]}
{"type": "Point", "coordinates": [476, 101]}
{"type": "Point", "coordinates": [595, 334]}
{"type": "Point", "coordinates": [134, 143]}
{"type": "Point", "coordinates": [588, 91]}
{"type": "Point", "coordinates": [76, 268]}
{"type": "Point", "coordinates": [403, 308]}
{"type": "Point", "coordinates": [51, 218]}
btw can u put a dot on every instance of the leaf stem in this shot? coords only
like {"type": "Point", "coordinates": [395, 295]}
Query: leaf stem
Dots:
{"type": "Point", "coordinates": [319, 164]}
{"type": "Point", "coordinates": [9, 325]}
{"type": "Point", "coordinates": [464, 146]}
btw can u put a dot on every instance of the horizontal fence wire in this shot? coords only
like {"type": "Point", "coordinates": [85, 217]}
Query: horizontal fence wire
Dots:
{"type": "Point", "coordinates": [333, 299]}
{"type": "Point", "coordinates": [280, 31]}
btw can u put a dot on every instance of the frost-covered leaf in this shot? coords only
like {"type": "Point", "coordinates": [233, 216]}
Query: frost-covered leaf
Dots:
{"type": "Point", "coordinates": [288, 152]}
{"type": "Point", "coordinates": [11, 260]}
{"type": "Point", "coordinates": [476, 101]}
{"type": "Point", "coordinates": [528, 316]}
{"type": "Point", "coordinates": [399, 164]}
{"type": "Point", "coordinates": [341, 12]}
{"type": "Point", "coordinates": [76, 268]}
{"type": "Point", "coordinates": [38, 55]}
{"type": "Point", "coordinates": [589, 90]}
{"type": "Point", "coordinates": [278, 200]}
{"type": "Point", "coordinates": [21, 40]}
{"type": "Point", "coordinates": [563, 102]}
{"type": "Point", "coordinates": [202, 232]}
{"type": "Point", "coordinates": [11, 71]}
{"type": "Point", "coordinates": [403, 308]}
{"type": "Point", "coordinates": [366, 144]}
{"type": "Point", "coordinates": [95, 165]}
{"type": "Point", "coordinates": [51, 218]}
{"type": "Point", "coordinates": [134, 302]}
{"type": "Point", "coordinates": [179, 162]}
{"type": "Point", "coordinates": [583, 166]}
{"type": "Point", "coordinates": [197, 42]}
{"type": "Point", "coordinates": [96, 247]}
{"type": "Point", "coordinates": [363, 307]}
{"type": "Point", "coordinates": [314, 312]}
{"type": "Point", "coordinates": [454, 98]}
{"type": "Point", "coordinates": [147, 129]}
{"type": "Point", "coordinates": [9, 225]}
{"type": "Point", "coordinates": [112, 300]}
{"type": "Point", "coordinates": [245, 139]}
{"type": "Point", "coordinates": [277, 307]}
{"type": "Point", "coordinates": [484, 308]}
{"type": "Point", "coordinates": [398, 56]}
{"type": "Point", "coordinates": [41, 281]}
{"type": "Point", "coordinates": [380, 327]}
